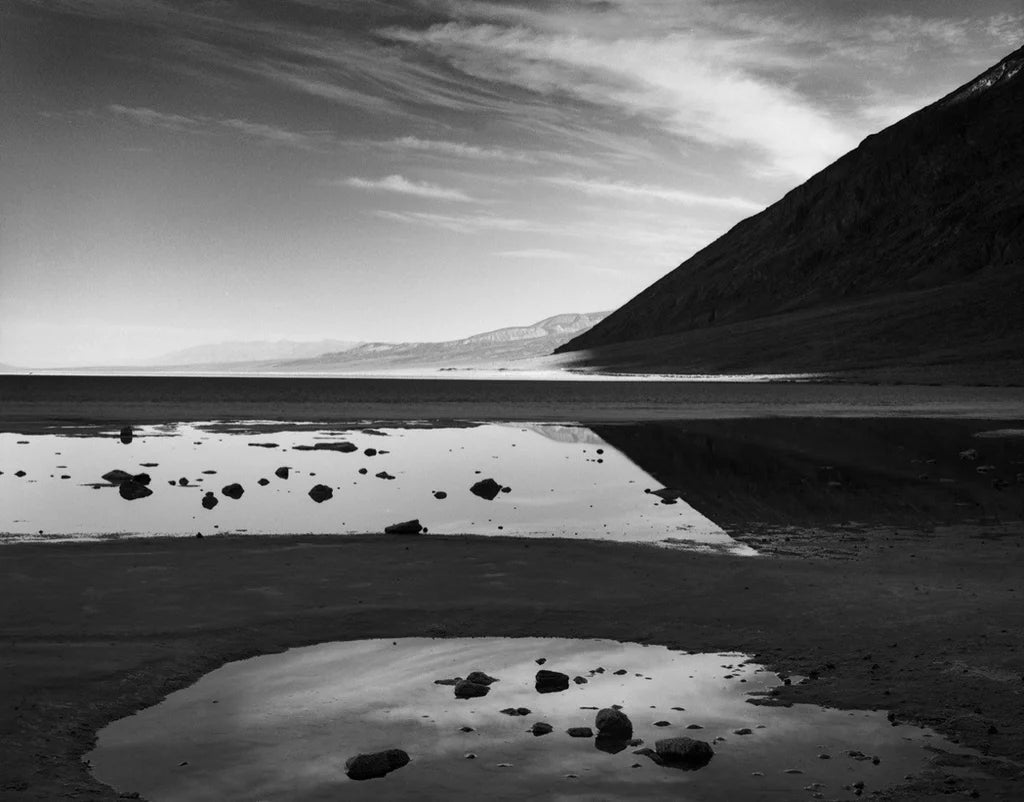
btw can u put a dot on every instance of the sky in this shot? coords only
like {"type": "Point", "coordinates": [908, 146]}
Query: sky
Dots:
{"type": "Point", "coordinates": [179, 173]}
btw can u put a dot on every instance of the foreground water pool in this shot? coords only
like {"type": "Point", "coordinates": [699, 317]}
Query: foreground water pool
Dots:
{"type": "Point", "coordinates": [561, 480]}
{"type": "Point", "coordinates": [281, 727]}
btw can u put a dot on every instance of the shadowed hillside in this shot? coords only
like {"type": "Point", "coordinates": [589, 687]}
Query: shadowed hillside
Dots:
{"type": "Point", "coordinates": [907, 251]}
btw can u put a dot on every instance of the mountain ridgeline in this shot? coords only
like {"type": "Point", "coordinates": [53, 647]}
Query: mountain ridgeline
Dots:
{"type": "Point", "coordinates": [902, 259]}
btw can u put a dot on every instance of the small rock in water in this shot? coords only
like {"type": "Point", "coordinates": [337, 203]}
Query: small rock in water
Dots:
{"type": "Point", "coordinates": [131, 490]}
{"type": "Point", "coordinates": [126, 434]}
{"type": "Point", "coordinates": [233, 490]}
{"type": "Point", "coordinates": [370, 452]}
{"type": "Point", "coordinates": [610, 721]}
{"type": "Point", "coordinates": [469, 756]}
{"type": "Point", "coordinates": [470, 690]}
{"type": "Point", "coordinates": [620, 672]}
{"type": "Point", "coordinates": [516, 711]}
{"type": "Point", "coordinates": [551, 681]}
{"type": "Point", "coordinates": [384, 475]}
{"type": "Point", "coordinates": [685, 753]}
{"type": "Point", "coordinates": [210, 501]}
{"type": "Point", "coordinates": [662, 723]}
{"type": "Point", "coordinates": [580, 732]}
{"type": "Point", "coordinates": [743, 731]}
{"type": "Point", "coordinates": [115, 477]}
{"type": "Point", "coordinates": [541, 661]}
{"type": "Point", "coordinates": [480, 678]}
{"type": "Point", "coordinates": [343, 447]}
{"type": "Point", "coordinates": [19, 474]}
{"type": "Point", "coordinates": [183, 481]}
{"type": "Point", "coordinates": [413, 527]}
{"type": "Point", "coordinates": [281, 473]}
{"type": "Point", "coordinates": [142, 478]}
{"type": "Point", "coordinates": [440, 495]}
{"type": "Point", "coordinates": [541, 728]}
{"type": "Point", "coordinates": [466, 729]}
{"type": "Point", "coordinates": [694, 727]}
{"type": "Point", "coordinates": [263, 482]}
{"type": "Point", "coordinates": [580, 680]}
{"type": "Point", "coordinates": [375, 764]}
{"type": "Point", "coordinates": [486, 489]}
{"type": "Point", "coordinates": [321, 493]}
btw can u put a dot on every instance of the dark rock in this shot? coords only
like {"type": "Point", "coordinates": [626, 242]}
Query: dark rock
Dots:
{"type": "Point", "coordinates": [620, 672]}
{"type": "Point", "coordinates": [263, 482]}
{"type": "Point", "coordinates": [370, 452]}
{"type": "Point", "coordinates": [580, 680]}
{"type": "Point", "coordinates": [551, 681]}
{"type": "Point", "coordinates": [580, 732]}
{"type": "Point", "coordinates": [320, 493]}
{"type": "Point", "coordinates": [743, 731]}
{"type": "Point", "coordinates": [541, 661]}
{"type": "Point", "coordinates": [452, 681]}
{"type": "Point", "coordinates": [470, 690]}
{"type": "Point", "coordinates": [264, 445]}
{"type": "Point", "coordinates": [142, 478]}
{"type": "Point", "coordinates": [541, 728]}
{"type": "Point", "coordinates": [662, 723]}
{"type": "Point", "coordinates": [466, 728]}
{"type": "Point", "coordinates": [610, 721]}
{"type": "Point", "coordinates": [440, 494]}
{"type": "Point", "coordinates": [183, 481]}
{"type": "Point", "coordinates": [486, 489]}
{"type": "Point", "coordinates": [480, 678]}
{"type": "Point", "coordinates": [131, 490]}
{"type": "Point", "coordinates": [233, 490]}
{"type": "Point", "coordinates": [363, 471]}
{"type": "Point", "coordinates": [516, 711]}
{"type": "Point", "coordinates": [126, 434]}
{"type": "Point", "coordinates": [210, 501]}
{"type": "Point", "coordinates": [19, 474]}
{"type": "Point", "coordinates": [384, 475]}
{"type": "Point", "coordinates": [685, 753]}
{"type": "Point", "coordinates": [281, 473]}
{"type": "Point", "coordinates": [694, 727]}
{"type": "Point", "coordinates": [342, 447]}
{"type": "Point", "coordinates": [115, 477]}
{"type": "Point", "coordinates": [413, 527]}
{"type": "Point", "coordinates": [375, 764]}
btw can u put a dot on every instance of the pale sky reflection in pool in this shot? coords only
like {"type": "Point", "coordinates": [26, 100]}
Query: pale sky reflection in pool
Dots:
{"type": "Point", "coordinates": [560, 484]}
{"type": "Point", "coordinates": [280, 727]}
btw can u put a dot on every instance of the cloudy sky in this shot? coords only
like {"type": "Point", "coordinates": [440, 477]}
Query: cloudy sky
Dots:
{"type": "Point", "coordinates": [174, 173]}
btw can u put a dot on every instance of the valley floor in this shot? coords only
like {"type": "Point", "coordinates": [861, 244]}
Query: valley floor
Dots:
{"type": "Point", "coordinates": [928, 625]}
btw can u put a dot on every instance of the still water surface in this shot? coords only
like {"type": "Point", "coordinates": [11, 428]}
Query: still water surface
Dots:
{"type": "Point", "coordinates": [563, 480]}
{"type": "Point", "coordinates": [280, 727]}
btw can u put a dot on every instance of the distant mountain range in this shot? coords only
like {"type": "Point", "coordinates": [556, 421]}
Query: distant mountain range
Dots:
{"type": "Point", "coordinates": [507, 348]}
{"type": "Point", "coordinates": [250, 351]}
{"type": "Point", "coordinates": [902, 260]}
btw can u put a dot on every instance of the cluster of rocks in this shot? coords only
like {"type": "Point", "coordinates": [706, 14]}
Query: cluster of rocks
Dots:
{"type": "Point", "coordinates": [474, 685]}
{"type": "Point", "coordinates": [488, 489]}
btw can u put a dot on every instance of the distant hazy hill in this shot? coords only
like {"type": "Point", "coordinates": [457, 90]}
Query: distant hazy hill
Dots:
{"type": "Point", "coordinates": [250, 351]}
{"type": "Point", "coordinates": [502, 348]}
{"type": "Point", "coordinates": [904, 257]}
{"type": "Point", "coordinates": [499, 348]}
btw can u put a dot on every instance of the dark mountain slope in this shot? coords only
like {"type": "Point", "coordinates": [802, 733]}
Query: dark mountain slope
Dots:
{"type": "Point", "coordinates": [934, 202]}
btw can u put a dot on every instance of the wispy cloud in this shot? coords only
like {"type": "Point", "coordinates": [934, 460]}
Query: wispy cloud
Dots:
{"type": "Point", "coordinates": [459, 150]}
{"type": "Point", "coordinates": [537, 253]}
{"type": "Point", "coordinates": [403, 186]}
{"type": "Point", "coordinates": [200, 124]}
{"type": "Point", "coordinates": [468, 223]}
{"type": "Point", "coordinates": [621, 189]}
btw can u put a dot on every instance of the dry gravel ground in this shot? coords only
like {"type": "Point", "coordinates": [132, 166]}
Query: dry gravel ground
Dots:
{"type": "Point", "coordinates": [929, 625]}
